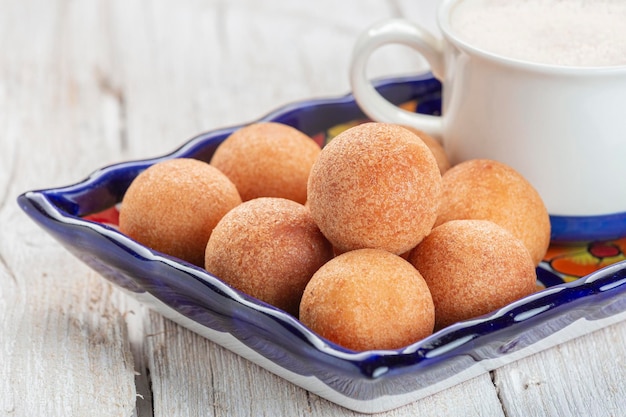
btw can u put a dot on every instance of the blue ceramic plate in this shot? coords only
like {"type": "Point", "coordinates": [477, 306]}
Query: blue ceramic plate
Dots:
{"type": "Point", "coordinates": [83, 216]}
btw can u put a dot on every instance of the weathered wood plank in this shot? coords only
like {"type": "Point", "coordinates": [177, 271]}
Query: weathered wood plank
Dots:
{"type": "Point", "coordinates": [583, 377]}
{"type": "Point", "coordinates": [63, 343]}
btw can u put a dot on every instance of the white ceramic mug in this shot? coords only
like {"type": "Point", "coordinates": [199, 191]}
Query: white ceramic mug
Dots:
{"type": "Point", "coordinates": [563, 128]}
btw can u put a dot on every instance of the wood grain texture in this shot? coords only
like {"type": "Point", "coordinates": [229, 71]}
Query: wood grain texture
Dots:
{"type": "Point", "coordinates": [583, 377]}
{"type": "Point", "coordinates": [88, 83]}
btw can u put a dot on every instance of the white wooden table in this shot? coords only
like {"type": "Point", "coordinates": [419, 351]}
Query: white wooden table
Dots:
{"type": "Point", "coordinates": [86, 83]}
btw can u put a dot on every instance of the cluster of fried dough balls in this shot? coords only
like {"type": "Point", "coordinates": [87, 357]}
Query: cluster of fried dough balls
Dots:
{"type": "Point", "coordinates": [373, 241]}
{"type": "Point", "coordinates": [380, 186]}
{"type": "Point", "coordinates": [490, 190]}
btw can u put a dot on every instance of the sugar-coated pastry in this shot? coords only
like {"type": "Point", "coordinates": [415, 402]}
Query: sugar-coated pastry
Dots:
{"type": "Point", "coordinates": [490, 190]}
{"type": "Point", "coordinates": [267, 160]}
{"type": "Point", "coordinates": [368, 299]}
{"type": "Point", "coordinates": [435, 147]}
{"type": "Point", "coordinates": [174, 205]}
{"type": "Point", "coordinates": [268, 248]}
{"type": "Point", "coordinates": [473, 267]}
{"type": "Point", "coordinates": [375, 185]}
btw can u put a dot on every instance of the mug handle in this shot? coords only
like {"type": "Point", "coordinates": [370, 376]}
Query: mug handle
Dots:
{"type": "Point", "coordinates": [376, 107]}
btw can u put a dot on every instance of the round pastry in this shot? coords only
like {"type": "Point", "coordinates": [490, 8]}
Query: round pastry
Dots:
{"type": "Point", "coordinates": [174, 205]}
{"type": "Point", "coordinates": [435, 147]}
{"type": "Point", "coordinates": [489, 190]}
{"type": "Point", "coordinates": [268, 248]}
{"type": "Point", "coordinates": [375, 185]}
{"type": "Point", "coordinates": [368, 299]}
{"type": "Point", "coordinates": [473, 267]}
{"type": "Point", "coordinates": [267, 160]}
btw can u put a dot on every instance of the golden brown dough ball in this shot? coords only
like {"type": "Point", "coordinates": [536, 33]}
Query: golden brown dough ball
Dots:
{"type": "Point", "coordinates": [473, 267]}
{"type": "Point", "coordinates": [174, 205]}
{"type": "Point", "coordinates": [489, 190]}
{"type": "Point", "coordinates": [267, 160]}
{"type": "Point", "coordinates": [435, 147]}
{"type": "Point", "coordinates": [268, 248]}
{"type": "Point", "coordinates": [376, 186]}
{"type": "Point", "coordinates": [368, 299]}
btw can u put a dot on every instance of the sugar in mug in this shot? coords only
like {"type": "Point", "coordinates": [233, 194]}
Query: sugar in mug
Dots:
{"type": "Point", "coordinates": [561, 127]}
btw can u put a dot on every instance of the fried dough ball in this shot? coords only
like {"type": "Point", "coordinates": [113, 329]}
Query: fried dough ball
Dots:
{"type": "Point", "coordinates": [368, 299]}
{"type": "Point", "coordinates": [174, 205]}
{"type": "Point", "coordinates": [489, 190]}
{"type": "Point", "coordinates": [435, 147]}
{"type": "Point", "coordinates": [473, 267]}
{"type": "Point", "coordinates": [375, 185]}
{"type": "Point", "coordinates": [268, 248]}
{"type": "Point", "coordinates": [267, 160]}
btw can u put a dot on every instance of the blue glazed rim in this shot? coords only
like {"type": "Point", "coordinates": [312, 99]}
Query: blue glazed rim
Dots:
{"type": "Point", "coordinates": [274, 334]}
{"type": "Point", "coordinates": [572, 229]}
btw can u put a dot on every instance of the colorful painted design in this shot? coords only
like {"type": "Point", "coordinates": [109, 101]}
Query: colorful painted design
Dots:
{"type": "Point", "coordinates": [323, 138]}
{"type": "Point", "coordinates": [573, 262]}
{"type": "Point", "coordinates": [110, 217]}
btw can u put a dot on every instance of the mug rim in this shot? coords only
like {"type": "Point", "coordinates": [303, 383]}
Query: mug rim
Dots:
{"type": "Point", "coordinates": [443, 21]}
